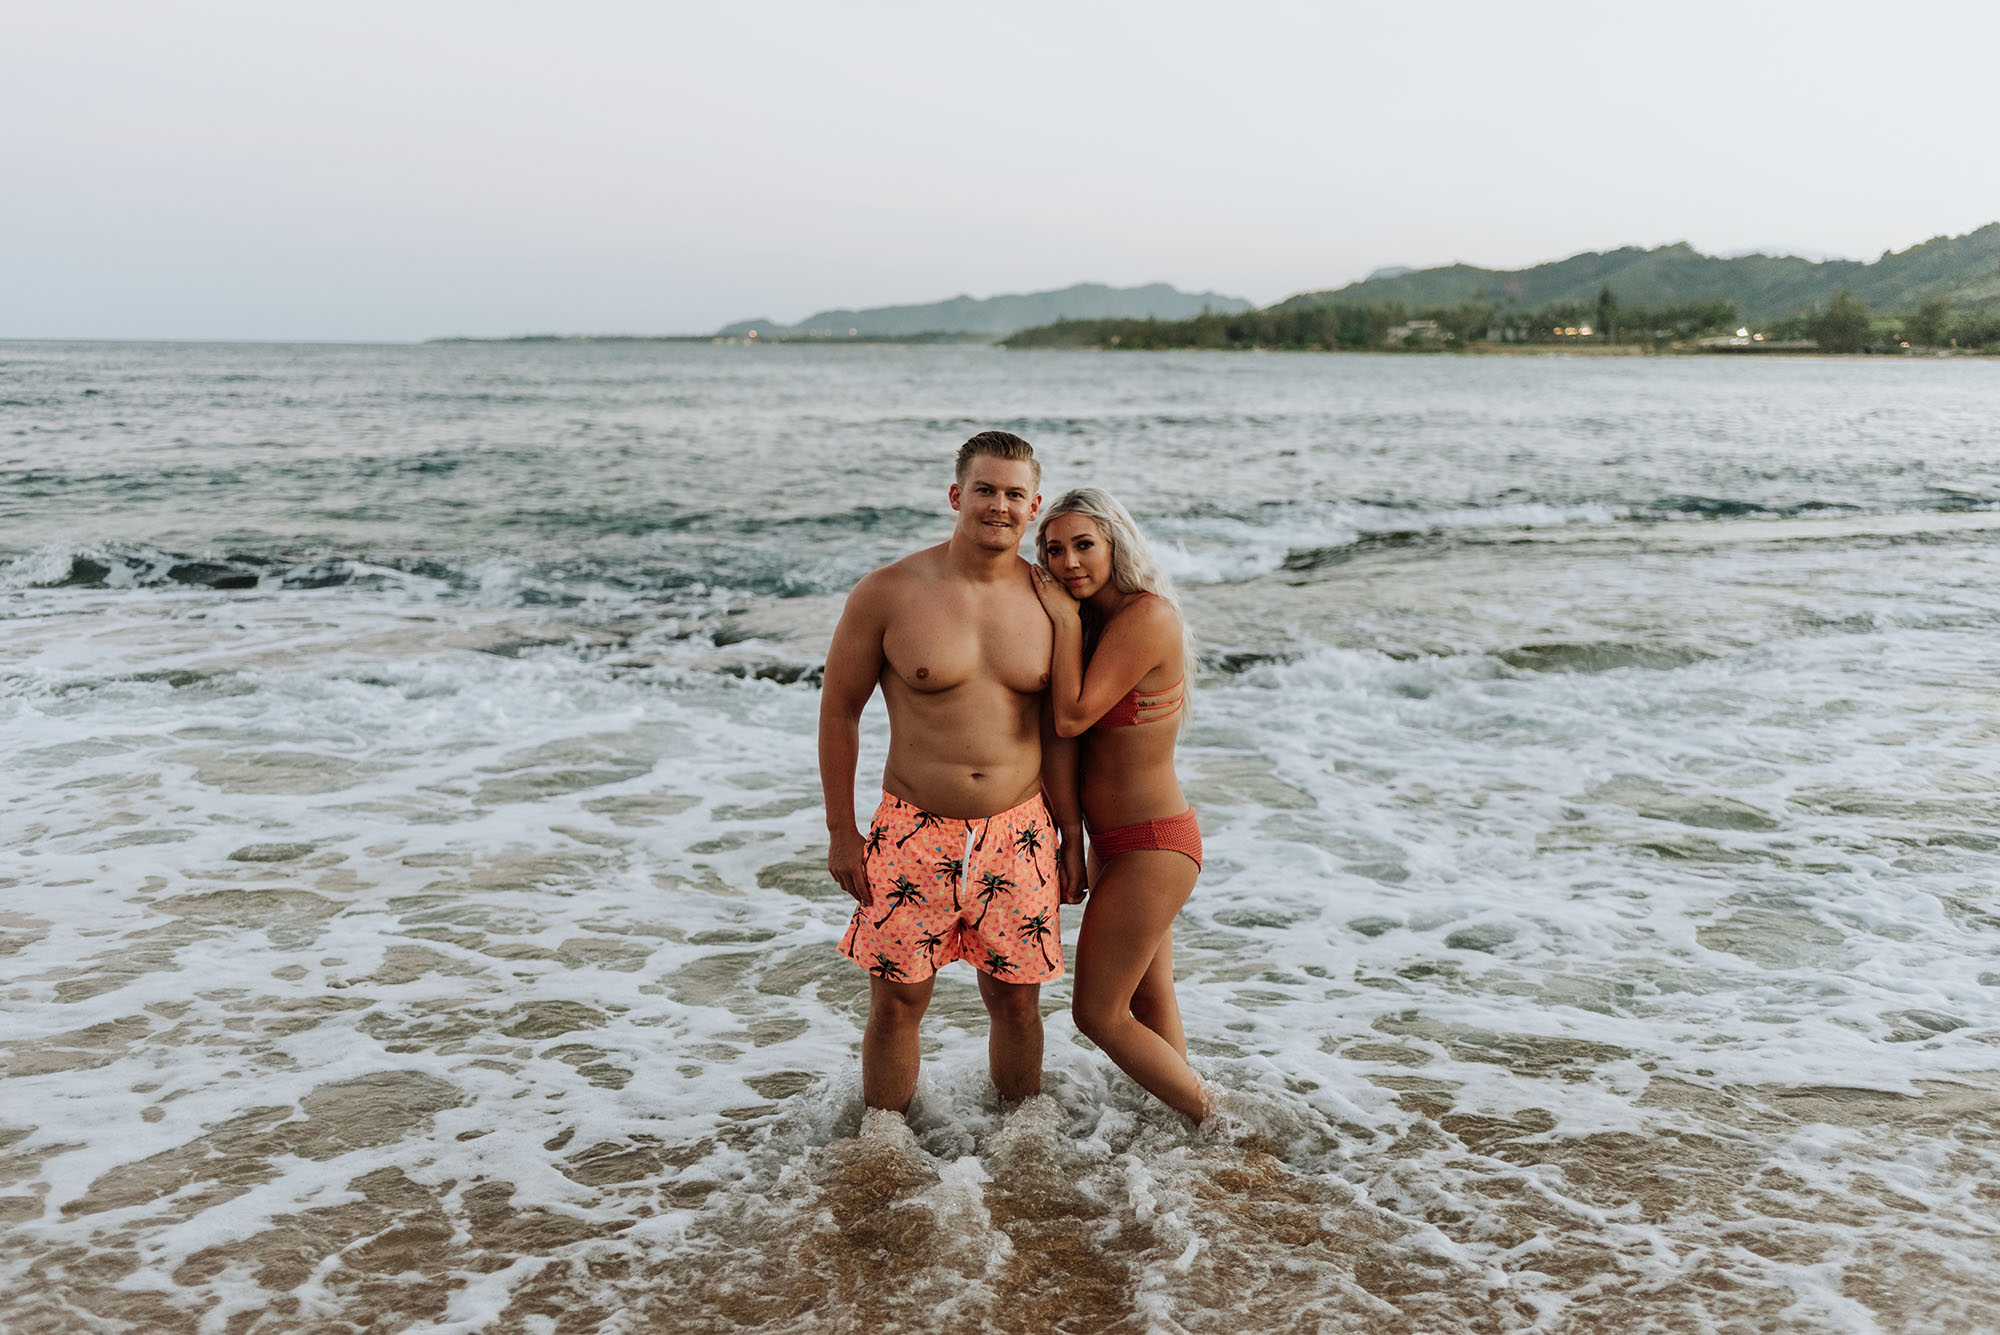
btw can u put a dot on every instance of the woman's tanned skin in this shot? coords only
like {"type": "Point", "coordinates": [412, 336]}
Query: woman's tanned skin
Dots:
{"type": "Point", "coordinates": [1123, 998]}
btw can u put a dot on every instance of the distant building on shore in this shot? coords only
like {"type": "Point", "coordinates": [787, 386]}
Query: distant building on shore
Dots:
{"type": "Point", "coordinates": [1745, 341]}
{"type": "Point", "coordinates": [1416, 331]}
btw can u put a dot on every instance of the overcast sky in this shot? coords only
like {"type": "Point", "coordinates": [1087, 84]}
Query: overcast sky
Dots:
{"type": "Point", "coordinates": [181, 169]}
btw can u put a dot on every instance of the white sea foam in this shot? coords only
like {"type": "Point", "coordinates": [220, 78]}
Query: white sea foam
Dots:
{"type": "Point", "coordinates": [578, 907]}
{"type": "Point", "coordinates": [1205, 549]}
{"type": "Point", "coordinates": [1593, 936]}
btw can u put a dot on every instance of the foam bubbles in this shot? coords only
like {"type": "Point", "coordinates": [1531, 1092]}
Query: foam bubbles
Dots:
{"type": "Point", "coordinates": [1594, 933]}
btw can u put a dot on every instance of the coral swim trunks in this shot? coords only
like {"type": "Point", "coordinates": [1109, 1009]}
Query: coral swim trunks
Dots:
{"type": "Point", "coordinates": [946, 889]}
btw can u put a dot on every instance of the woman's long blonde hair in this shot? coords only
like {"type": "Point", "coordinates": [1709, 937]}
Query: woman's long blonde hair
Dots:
{"type": "Point", "coordinates": [1134, 568]}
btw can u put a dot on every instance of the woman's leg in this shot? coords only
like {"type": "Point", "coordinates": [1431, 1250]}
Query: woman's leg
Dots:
{"type": "Point", "coordinates": [1154, 1003]}
{"type": "Point", "coordinates": [1125, 927]}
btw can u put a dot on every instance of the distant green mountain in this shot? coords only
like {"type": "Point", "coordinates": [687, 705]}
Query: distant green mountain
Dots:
{"type": "Point", "coordinates": [1003, 315]}
{"type": "Point", "coordinates": [1964, 270]}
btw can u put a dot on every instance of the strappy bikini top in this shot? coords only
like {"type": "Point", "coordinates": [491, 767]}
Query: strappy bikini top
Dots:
{"type": "Point", "coordinates": [1137, 706]}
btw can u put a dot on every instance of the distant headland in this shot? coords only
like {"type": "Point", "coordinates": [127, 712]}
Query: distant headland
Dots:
{"type": "Point", "coordinates": [1942, 295]}
{"type": "Point", "coordinates": [995, 317]}
{"type": "Point", "coordinates": [961, 319]}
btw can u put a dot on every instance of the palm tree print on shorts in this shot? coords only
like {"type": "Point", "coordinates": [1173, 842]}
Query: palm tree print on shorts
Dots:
{"type": "Point", "coordinates": [924, 821]}
{"type": "Point", "coordinates": [1036, 929]}
{"type": "Point", "coordinates": [903, 891]}
{"type": "Point", "coordinates": [953, 871]}
{"type": "Point", "coordinates": [912, 926]}
{"type": "Point", "coordinates": [991, 883]}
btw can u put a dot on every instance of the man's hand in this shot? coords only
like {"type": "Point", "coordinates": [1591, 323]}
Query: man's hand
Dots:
{"type": "Point", "coordinates": [847, 859]}
{"type": "Point", "coordinates": [1072, 883]}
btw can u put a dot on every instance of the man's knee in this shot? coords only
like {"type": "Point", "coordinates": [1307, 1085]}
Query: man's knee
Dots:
{"type": "Point", "coordinates": [1016, 1005]}
{"type": "Point", "coordinates": [898, 1006]}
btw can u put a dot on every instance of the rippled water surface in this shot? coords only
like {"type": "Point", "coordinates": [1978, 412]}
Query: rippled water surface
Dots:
{"type": "Point", "coordinates": [412, 904]}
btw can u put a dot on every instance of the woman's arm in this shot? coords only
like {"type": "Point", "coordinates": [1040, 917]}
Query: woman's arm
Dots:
{"type": "Point", "coordinates": [1135, 641]}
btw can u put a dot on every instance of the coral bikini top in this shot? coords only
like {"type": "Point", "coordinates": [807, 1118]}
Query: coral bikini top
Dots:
{"type": "Point", "coordinates": [1137, 706]}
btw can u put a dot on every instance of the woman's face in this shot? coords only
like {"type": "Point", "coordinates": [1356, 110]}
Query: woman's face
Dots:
{"type": "Point", "coordinates": [1077, 553]}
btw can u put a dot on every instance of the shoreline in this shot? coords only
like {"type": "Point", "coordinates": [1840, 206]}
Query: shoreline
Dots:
{"type": "Point", "coordinates": [1558, 350]}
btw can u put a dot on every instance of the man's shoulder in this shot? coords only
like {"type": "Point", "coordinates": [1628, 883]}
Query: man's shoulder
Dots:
{"type": "Point", "coordinates": [925, 563]}
{"type": "Point", "coordinates": [892, 582]}
{"type": "Point", "coordinates": [925, 573]}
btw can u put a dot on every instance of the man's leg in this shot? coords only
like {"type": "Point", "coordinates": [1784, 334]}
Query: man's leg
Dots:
{"type": "Point", "coordinates": [890, 1050]}
{"type": "Point", "coordinates": [1014, 1041]}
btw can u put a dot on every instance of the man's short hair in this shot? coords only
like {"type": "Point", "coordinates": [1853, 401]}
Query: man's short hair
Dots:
{"type": "Point", "coordinates": [1001, 445]}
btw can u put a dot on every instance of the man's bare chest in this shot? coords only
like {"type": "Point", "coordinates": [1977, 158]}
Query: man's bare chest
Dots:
{"type": "Point", "coordinates": [947, 642]}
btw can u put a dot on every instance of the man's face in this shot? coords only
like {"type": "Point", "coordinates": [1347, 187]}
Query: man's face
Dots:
{"type": "Point", "coordinates": [996, 502]}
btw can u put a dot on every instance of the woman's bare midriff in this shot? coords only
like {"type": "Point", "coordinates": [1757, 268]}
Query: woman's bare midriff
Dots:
{"type": "Point", "coordinates": [1128, 775]}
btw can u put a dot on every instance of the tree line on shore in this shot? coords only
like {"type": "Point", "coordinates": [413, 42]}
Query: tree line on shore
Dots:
{"type": "Point", "coordinates": [1843, 324]}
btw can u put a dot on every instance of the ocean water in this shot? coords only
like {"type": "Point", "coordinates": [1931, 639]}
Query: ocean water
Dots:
{"type": "Point", "coordinates": [412, 902]}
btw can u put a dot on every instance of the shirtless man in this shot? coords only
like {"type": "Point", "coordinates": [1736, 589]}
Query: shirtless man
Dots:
{"type": "Point", "coordinates": [978, 834]}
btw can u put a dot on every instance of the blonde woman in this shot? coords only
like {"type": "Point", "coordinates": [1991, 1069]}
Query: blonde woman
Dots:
{"type": "Point", "coordinates": [1119, 680]}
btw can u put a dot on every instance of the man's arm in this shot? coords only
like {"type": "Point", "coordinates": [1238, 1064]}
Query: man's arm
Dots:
{"type": "Point", "coordinates": [1061, 758]}
{"type": "Point", "coordinates": [853, 666]}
